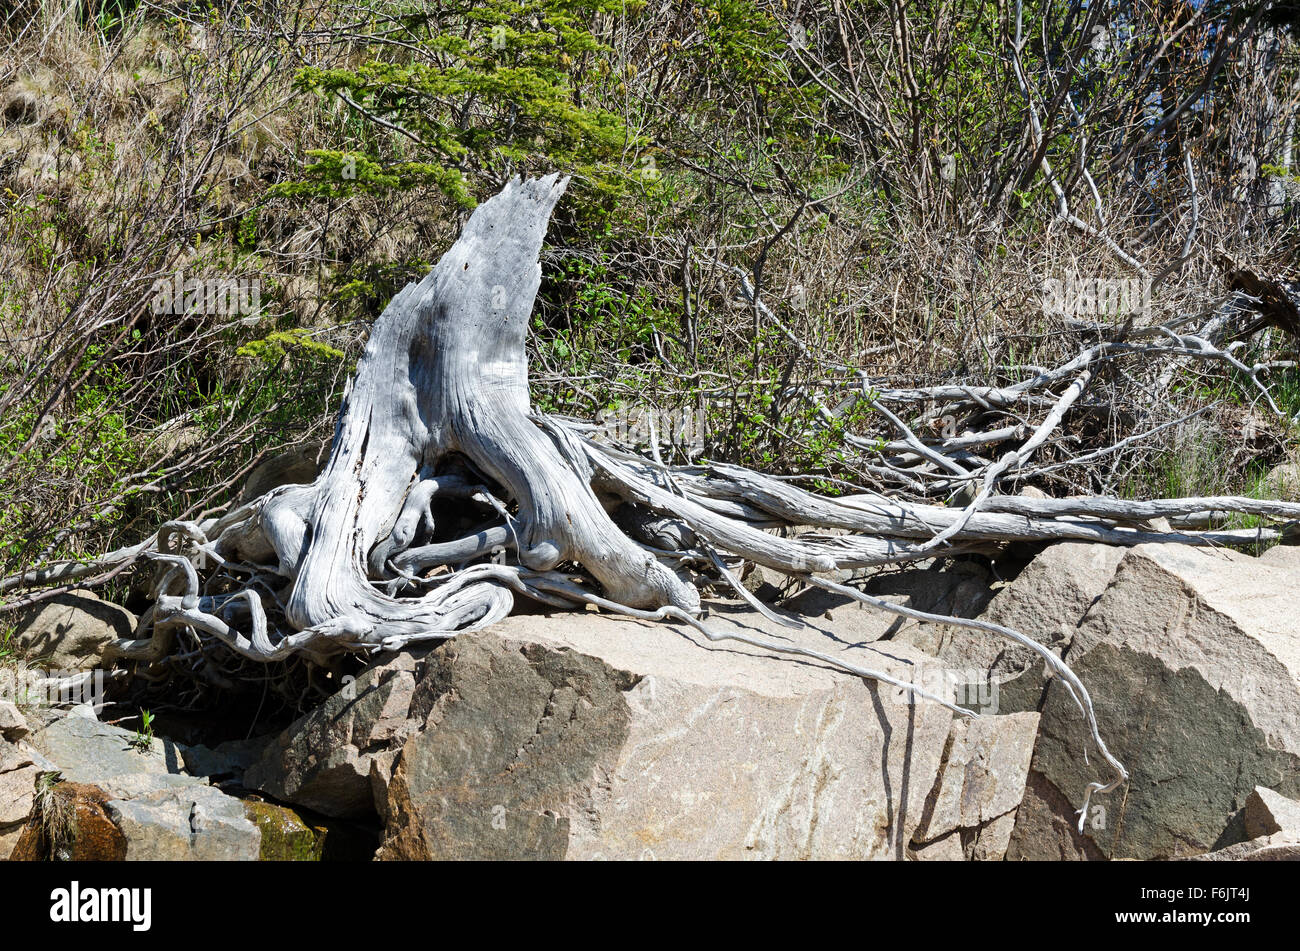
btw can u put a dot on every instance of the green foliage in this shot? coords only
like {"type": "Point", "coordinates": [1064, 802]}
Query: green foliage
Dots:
{"type": "Point", "coordinates": [107, 15]}
{"type": "Point", "coordinates": [498, 88]}
{"type": "Point", "coordinates": [273, 348]}
{"type": "Point", "coordinates": [143, 740]}
{"type": "Point", "coordinates": [246, 237]}
{"type": "Point", "coordinates": [605, 318]}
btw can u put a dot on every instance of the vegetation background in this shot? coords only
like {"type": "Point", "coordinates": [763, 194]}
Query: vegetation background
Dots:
{"type": "Point", "coordinates": [893, 181]}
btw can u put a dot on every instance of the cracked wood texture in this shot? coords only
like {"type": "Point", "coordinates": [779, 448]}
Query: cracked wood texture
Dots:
{"type": "Point", "coordinates": [445, 373]}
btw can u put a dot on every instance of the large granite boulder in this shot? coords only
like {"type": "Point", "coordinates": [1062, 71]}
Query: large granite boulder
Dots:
{"type": "Point", "coordinates": [1192, 658]}
{"type": "Point", "coordinates": [583, 735]}
{"type": "Point", "coordinates": [1047, 601]}
{"type": "Point", "coordinates": [971, 811]}
{"type": "Point", "coordinates": [587, 736]}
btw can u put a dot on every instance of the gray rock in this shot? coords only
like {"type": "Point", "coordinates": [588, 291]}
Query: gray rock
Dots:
{"type": "Point", "coordinates": [1283, 482]}
{"type": "Point", "coordinates": [295, 467]}
{"type": "Point", "coordinates": [323, 760]}
{"type": "Point", "coordinates": [1193, 662]}
{"type": "Point", "coordinates": [229, 759]}
{"type": "Point", "coordinates": [9, 836]}
{"type": "Point", "coordinates": [767, 585]}
{"type": "Point", "coordinates": [1273, 848]}
{"type": "Point", "coordinates": [19, 767]}
{"type": "Point", "coordinates": [87, 751]}
{"type": "Point", "coordinates": [1268, 813]}
{"type": "Point", "coordinates": [986, 842]}
{"type": "Point", "coordinates": [947, 848]}
{"type": "Point", "coordinates": [587, 736]}
{"type": "Point", "coordinates": [18, 772]}
{"type": "Point", "coordinates": [162, 812]}
{"type": "Point", "coordinates": [195, 823]}
{"type": "Point", "coordinates": [13, 725]}
{"type": "Point", "coordinates": [959, 589]}
{"type": "Point", "coordinates": [1050, 597]}
{"type": "Point", "coordinates": [982, 777]}
{"type": "Point", "coordinates": [180, 439]}
{"type": "Point", "coordinates": [69, 632]}
{"type": "Point", "coordinates": [1047, 602]}
{"type": "Point", "coordinates": [1045, 827]}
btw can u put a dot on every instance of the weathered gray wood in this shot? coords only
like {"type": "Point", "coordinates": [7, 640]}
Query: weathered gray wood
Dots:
{"type": "Point", "coordinates": [444, 373]}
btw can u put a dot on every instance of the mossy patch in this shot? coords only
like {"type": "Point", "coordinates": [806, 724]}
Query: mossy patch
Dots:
{"type": "Point", "coordinates": [285, 836]}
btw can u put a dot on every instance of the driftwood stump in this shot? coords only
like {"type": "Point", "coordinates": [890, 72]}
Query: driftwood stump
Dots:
{"type": "Point", "coordinates": [440, 401]}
